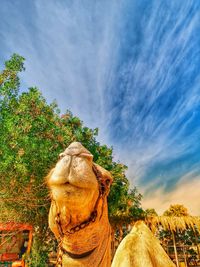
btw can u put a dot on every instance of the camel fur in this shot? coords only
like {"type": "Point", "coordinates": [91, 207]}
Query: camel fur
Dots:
{"type": "Point", "coordinates": [78, 218]}
{"type": "Point", "coordinates": [78, 215]}
{"type": "Point", "coordinates": [140, 248]}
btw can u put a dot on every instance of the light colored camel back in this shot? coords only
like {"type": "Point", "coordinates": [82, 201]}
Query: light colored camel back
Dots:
{"type": "Point", "coordinates": [140, 248]}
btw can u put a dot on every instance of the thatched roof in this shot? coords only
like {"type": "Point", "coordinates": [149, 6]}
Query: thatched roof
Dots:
{"type": "Point", "coordinates": [173, 223]}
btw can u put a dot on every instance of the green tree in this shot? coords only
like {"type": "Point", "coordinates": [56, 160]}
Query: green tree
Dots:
{"type": "Point", "coordinates": [176, 210]}
{"type": "Point", "coordinates": [32, 134]}
{"type": "Point", "coordinates": [150, 213]}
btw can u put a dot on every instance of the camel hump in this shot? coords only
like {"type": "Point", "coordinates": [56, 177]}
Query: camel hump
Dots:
{"type": "Point", "coordinates": [141, 248]}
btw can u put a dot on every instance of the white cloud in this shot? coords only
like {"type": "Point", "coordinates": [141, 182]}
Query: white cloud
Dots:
{"type": "Point", "coordinates": [186, 192]}
{"type": "Point", "coordinates": [78, 47]}
{"type": "Point", "coordinates": [152, 138]}
{"type": "Point", "coordinates": [71, 49]}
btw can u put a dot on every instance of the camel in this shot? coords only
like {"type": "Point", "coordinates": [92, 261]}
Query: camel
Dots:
{"type": "Point", "coordinates": [78, 215]}
{"type": "Point", "coordinates": [140, 248]}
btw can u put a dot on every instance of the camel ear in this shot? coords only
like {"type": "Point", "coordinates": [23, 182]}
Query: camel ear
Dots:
{"type": "Point", "coordinates": [104, 178]}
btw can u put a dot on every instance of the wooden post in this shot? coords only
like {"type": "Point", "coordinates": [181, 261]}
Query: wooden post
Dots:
{"type": "Point", "coordinates": [30, 238]}
{"type": "Point", "coordinates": [196, 241]}
{"type": "Point", "coordinates": [175, 250]}
{"type": "Point", "coordinates": [185, 260]}
{"type": "Point", "coordinates": [120, 233]}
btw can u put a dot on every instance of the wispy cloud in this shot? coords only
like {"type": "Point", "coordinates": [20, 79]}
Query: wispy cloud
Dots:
{"type": "Point", "coordinates": [70, 50]}
{"type": "Point", "coordinates": [130, 68]}
{"type": "Point", "coordinates": [186, 192]}
{"type": "Point", "coordinates": [159, 119]}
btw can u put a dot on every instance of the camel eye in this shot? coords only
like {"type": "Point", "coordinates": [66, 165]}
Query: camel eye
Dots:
{"type": "Point", "coordinates": [62, 155]}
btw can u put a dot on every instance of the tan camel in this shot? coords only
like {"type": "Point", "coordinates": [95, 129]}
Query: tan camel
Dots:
{"type": "Point", "coordinates": [140, 248]}
{"type": "Point", "coordinates": [78, 215]}
{"type": "Point", "coordinates": [79, 218]}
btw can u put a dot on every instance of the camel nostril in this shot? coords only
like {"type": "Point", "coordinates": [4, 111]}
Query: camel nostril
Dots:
{"type": "Point", "coordinates": [86, 155]}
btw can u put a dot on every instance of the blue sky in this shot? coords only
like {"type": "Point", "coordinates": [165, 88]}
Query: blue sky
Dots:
{"type": "Point", "coordinates": [130, 68]}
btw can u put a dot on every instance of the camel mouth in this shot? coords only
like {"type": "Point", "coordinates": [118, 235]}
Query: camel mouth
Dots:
{"type": "Point", "coordinates": [60, 182]}
{"type": "Point", "coordinates": [69, 186]}
{"type": "Point", "coordinates": [78, 256]}
{"type": "Point", "coordinates": [66, 185]}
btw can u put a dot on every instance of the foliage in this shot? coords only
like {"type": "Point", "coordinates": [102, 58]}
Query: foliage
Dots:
{"type": "Point", "coordinates": [176, 210]}
{"type": "Point", "coordinates": [129, 209]}
{"type": "Point", "coordinates": [39, 254]}
{"type": "Point", "coordinates": [32, 135]}
{"type": "Point", "coordinates": [186, 240]}
{"type": "Point", "coordinates": [150, 213]}
{"type": "Point", "coordinates": [9, 80]}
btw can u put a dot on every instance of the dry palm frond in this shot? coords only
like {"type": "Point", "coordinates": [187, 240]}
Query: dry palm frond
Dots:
{"type": "Point", "coordinates": [174, 223]}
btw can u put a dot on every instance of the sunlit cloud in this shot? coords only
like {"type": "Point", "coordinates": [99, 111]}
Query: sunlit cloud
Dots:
{"type": "Point", "coordinates": [130, 68]}
{"type": "Point", "coordinates": [186, 192]}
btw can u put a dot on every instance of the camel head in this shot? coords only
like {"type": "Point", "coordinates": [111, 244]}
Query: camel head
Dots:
{"type": "Point", "coordinates": [76, 185]}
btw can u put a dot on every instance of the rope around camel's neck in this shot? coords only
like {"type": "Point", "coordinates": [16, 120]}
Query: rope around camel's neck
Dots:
{"type": "Point", "coordinates": [97, 224]}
